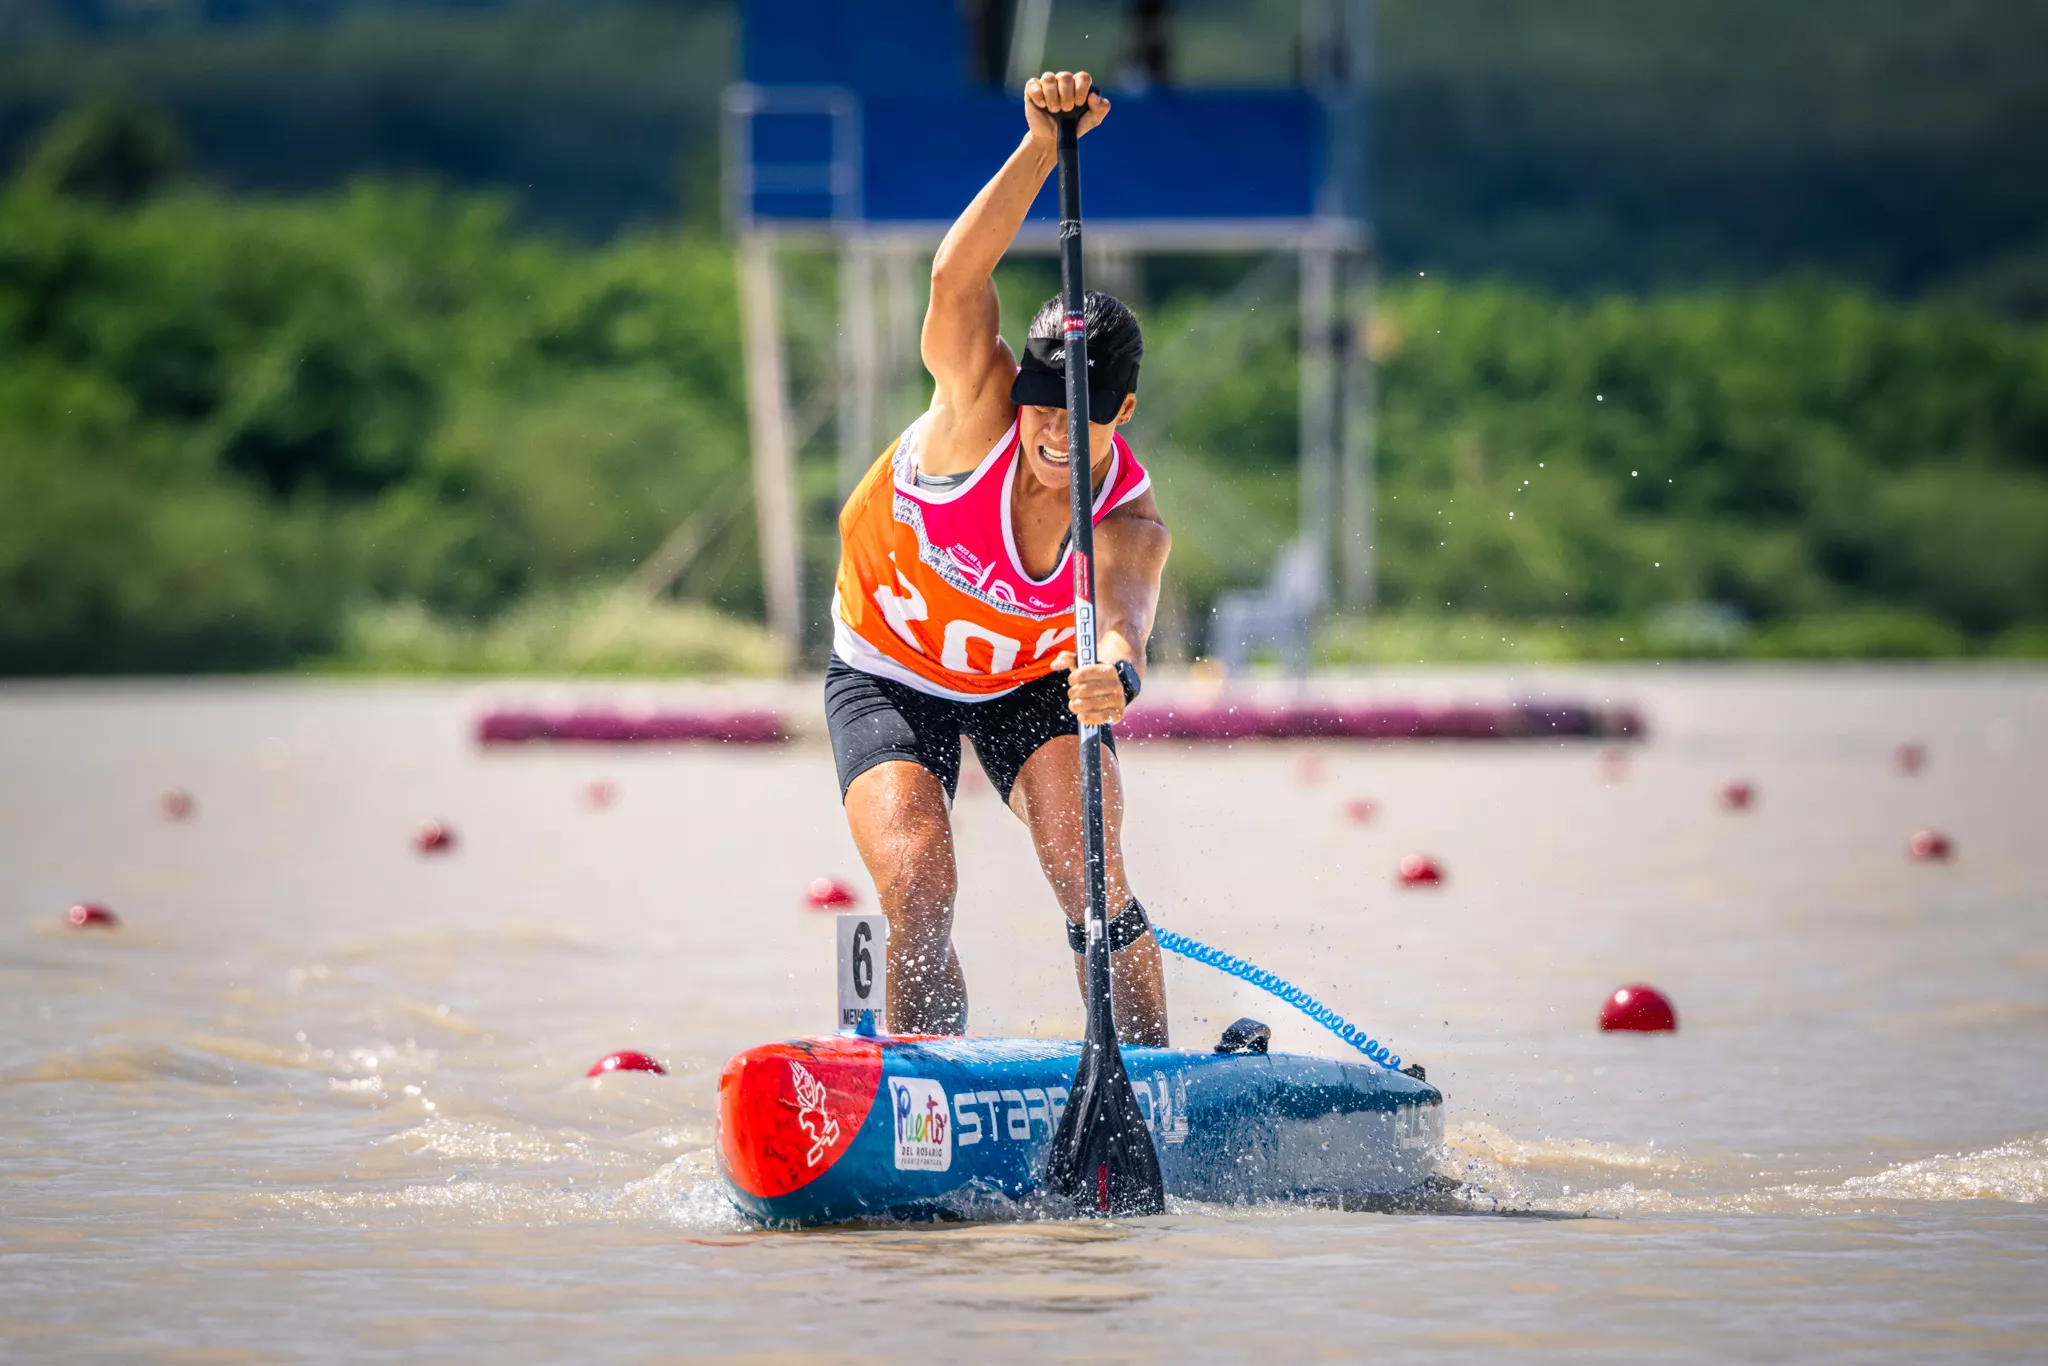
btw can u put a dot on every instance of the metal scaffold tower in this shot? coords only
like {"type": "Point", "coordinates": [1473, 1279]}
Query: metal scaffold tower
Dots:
{"type": "Point", "coordinates": [826, 148]}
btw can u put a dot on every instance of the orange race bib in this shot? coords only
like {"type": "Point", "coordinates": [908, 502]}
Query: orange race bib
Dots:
{"type": "Point", "coordinates": [930, 590]}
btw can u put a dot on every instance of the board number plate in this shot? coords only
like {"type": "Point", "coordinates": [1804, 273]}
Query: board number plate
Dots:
{"type": "Point", "coordinates": [863, 967]}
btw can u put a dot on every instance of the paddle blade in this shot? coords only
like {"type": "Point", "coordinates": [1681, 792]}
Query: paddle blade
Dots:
{"type": "Point", "coordinates": [1102, 1158]}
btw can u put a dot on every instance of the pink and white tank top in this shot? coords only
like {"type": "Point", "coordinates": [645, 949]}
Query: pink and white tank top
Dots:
{"type": "Point", "coordinates": [931, 590]}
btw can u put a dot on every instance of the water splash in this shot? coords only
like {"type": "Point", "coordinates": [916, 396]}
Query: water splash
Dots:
{"type": "Point", "coordinates": [1579, 1176]}
{"type": "Point", "coordinates": [685, 1192]}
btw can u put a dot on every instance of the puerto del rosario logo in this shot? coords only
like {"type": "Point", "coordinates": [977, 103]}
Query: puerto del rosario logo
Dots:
{"type": "Point", "coordinates": [817, 1122]}
{"type": "Point", "coordinates": [924, 1138]}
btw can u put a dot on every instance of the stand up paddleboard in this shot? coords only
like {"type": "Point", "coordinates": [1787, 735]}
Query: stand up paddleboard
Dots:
{"type": "Point", "coordinates": [840, 1126]}
{"type": "Point", "coordinates": [860, 1125]}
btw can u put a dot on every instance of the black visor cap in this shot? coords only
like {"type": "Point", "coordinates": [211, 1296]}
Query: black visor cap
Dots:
{"type": "Point", "coordinates": [1042, 380]}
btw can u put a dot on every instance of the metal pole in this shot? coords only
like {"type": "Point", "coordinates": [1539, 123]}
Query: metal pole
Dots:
{"type": "Point", "coordinates": [1113, 268]}
{"type": "Point", "coordinates": [1027, 40]}
{"type": "Point", "coordinates": [1318, 402]}
{"type": "Point", "coordinates": [1350, 105]}
{"type": "Point", "coordinates": [858, 361]}
{"type": "Point", "coordinates": [902, 370]}
{"type": "Point", "coordinates": [1361, 420]}
{"type": "Point", "coordinates": [768, 425]}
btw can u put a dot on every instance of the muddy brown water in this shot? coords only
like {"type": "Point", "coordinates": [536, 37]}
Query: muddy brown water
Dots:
{"type": "Point", "coordinates": [323, 1098]}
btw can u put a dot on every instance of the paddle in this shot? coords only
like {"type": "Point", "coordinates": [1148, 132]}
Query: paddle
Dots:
{"type": "Point", "coordinates": [1102, 1156]}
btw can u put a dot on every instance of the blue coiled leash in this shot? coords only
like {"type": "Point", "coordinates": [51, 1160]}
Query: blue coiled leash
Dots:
{"type": "Point", "coordinates": [1281, 988]}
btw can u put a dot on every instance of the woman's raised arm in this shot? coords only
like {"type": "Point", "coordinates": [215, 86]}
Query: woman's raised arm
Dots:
{"type": "Point", "coordinates": [962, 343]}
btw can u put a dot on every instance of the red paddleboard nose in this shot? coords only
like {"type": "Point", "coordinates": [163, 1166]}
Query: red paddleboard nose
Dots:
{"type": "Point", "coordinates": [829, 894]}
{"type": "Point", "coordinates": [1911, 757]}
{"type": "Point", "coordinates": [1737, 795]}
{"type": "Point", "coordinates": [1929, 846]}
{"type": "Point", "coordinates": [88, 915]}
{"type": "Point", "coordinates": [600, 794]}
{"type": "Point", "coordinates": [788, 1111]}
{"type": "Point", "coordinates": [177, 804]}
{"type": "Point", "coordinates": [1358, 811]}
{"type": "Point", "coordinates": [1420, 870]}
{"type": "Point", "coordinates": [433, 838]}
{"type": "Point", "coordinates": [625, 1060]}
{"type": "Point", "coordinates": [1640, 1009]}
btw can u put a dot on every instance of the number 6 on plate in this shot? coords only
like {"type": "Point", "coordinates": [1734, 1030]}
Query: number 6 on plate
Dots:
{"type": "Point", "coordinates": [863, 970]}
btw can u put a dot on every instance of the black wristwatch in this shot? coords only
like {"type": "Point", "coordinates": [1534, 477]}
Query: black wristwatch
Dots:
{"type": "Point", "coordinates": [1133, 685]}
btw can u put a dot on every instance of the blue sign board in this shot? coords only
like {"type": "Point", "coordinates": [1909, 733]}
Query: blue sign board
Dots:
{"type": "Point", "coordinates": [863, 114]}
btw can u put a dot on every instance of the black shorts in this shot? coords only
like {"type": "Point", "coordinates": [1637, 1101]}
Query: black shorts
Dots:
{"type": "Point", "coordinates": [874, 720]}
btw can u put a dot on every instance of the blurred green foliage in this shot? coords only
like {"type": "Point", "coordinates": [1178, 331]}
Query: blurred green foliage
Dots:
{"type": "Point", "coordinates": [1805, 451]}
{"type": "Point", "coordinates": [223, 424]}
{"type": "Point", "coordinates": [1460, 638]}
{"type": "Point", "coordinates": [388, 428]}
{"type": "Point", "coordinates": [559, 635]}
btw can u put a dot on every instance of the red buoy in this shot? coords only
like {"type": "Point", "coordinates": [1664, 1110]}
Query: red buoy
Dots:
{"type": "Point", "coordinates": [600, 794]}
{"type": "Point", "coordinates": [829, 894]}
{"type": "Point", "coordinates": [177, 804]}
{"type": "Point", "coordinates": [1420, 870]}
{"type": "Point", "coordinates": [433, 838]}
{"type": "Point", "coordinates": [1911, 757]}
{"type": "Point", "coordinates": [1639, 1008]}
{"type": "Point", "coordinates": [89, 915]}
{"type": "Point", "coordinates": [625, 1060]}
{"type": "Point", "coordinates": [1737, 795]}
{"type": "Point", "coordinates": [1929, 846]}
{"type": "Point", "coordinates": [1358, 811]}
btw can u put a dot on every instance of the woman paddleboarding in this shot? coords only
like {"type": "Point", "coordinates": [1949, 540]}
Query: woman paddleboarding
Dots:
{"type": "Point", "coordinates": [953, 613]}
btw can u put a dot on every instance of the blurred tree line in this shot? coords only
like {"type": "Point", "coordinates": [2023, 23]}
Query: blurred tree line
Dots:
{"type": "Point", "coordinates": [1701, 462]}
{"type": "Point", "coordinates": [1789, 450]}
{"type": "Point", "coordinates": [384, 421]}
{"type": "Point", "coordinates": [224, 422]}
{"type": "Point", "coordinates": [227, 423]}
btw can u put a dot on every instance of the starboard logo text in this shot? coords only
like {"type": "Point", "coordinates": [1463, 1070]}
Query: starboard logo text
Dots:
{"type": "Point", "coordinates": [1030, 1114]}
{"type": "Point", "coordinates": [924, 1128]}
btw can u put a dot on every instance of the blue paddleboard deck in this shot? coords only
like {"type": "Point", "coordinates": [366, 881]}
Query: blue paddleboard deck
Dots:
{"type": "Point", "coordinates": [841, 1127]}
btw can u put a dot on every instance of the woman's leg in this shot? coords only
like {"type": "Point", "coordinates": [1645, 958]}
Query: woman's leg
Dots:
{"type": "Point", "coordinates": [1047, 795]}
{"type": "Point", "coordinates": [897, 811]}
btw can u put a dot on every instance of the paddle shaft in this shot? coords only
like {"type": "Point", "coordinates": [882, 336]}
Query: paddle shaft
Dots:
{"type": "Point", "coordinates": [1082, 496]}
{"type": "Point", "coordinates": [1102, 1157]}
